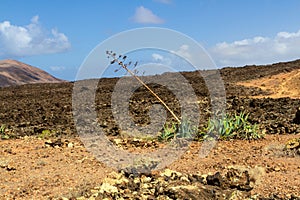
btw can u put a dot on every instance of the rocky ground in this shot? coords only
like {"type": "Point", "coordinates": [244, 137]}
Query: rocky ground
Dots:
{"type": "Point", "coordinates": [33, 168]}
{"type": "Point", "coordinates": [43, 158]}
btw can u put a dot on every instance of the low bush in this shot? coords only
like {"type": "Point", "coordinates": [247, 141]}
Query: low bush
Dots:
{"type": "Point", "coordinates": [175, 130]}
{"type": "Point", "coordinates": [235, 126]}
{"type": "Point", "coordinates": [2, 132]}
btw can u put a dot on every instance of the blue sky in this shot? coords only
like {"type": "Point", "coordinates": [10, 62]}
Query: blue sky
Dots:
{"type": "Point", "coordinates": [57, 35]}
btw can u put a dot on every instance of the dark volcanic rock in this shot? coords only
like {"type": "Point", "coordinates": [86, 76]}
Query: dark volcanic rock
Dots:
{"type": "Point", "coordinates": [30, 109]}
{"type": "Point", "coordinates": [296, 120]}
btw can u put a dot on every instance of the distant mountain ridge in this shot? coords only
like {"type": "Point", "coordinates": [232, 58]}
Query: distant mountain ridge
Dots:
{"type": "Point", "coordinates": [13, 72]}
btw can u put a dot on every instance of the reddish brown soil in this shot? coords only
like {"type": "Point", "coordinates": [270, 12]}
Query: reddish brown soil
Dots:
{"type": "Point", "coordinates": [279, 86]}
{"type": "Point", "coordinates": [280, 174]}
{"type": "Point", "coordinates": [29, 169]}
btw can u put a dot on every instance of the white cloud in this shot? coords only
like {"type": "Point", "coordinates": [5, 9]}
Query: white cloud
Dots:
{"type": "Point", "coordinates": [258, 50]}
{"type": "Point", "coordinates": [164, 1]}
{"type": "Point", "coordinates": [157, 57]}
{"type": "Point", "coordinates": [35, 19]}
{"type": "Point", "coordinates": [32, 39]}
{"type": "Point", "coordinates": [145, 16]}
{"type": "Point", "coordinates": [183, 51]}
{"type": "Point", "coordinates": [57, 68]}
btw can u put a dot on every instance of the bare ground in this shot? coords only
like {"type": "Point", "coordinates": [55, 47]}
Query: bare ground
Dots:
{"type": "Point", "coordinates": [60, 166]}
{"type": "Point", "coordinates": [30, 169]}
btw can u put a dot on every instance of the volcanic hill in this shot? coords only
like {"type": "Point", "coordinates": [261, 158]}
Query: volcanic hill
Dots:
{"type": "Point", "coordinates": [13, 72]}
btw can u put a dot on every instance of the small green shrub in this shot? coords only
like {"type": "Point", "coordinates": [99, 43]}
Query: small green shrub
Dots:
{"type": "Point", "coordinates": [168, 132]}
{"type": "Point", "coordinates": [232, 127]}
{"type": "Point", "coordinates": [2, 129]}
{"type": "Point", "coordinates": [46, 134]}
{"type": "Point", "coordinates": [2, 132]}
{"type": "Point", "coordinates": [186, 130]}
{"type": "Point", "coordinates": [175, 130]}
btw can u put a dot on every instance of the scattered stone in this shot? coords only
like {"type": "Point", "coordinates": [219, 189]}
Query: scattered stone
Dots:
{"type": "Point", "coordinates": [126, 143]}
{"type": "Point", "coordinates": [55, 143]}
{"type": "Point", "coordinates": [293, 144]}
{"type": "Point", "coordinates": [140, 166]}
{"type": "Point", "coordinates": [237, 178]}
{"type": "Point", "coordinates": [70, 145]}
{"type": "Point", "coordinates": [170, 184]}
{"type": "Point", "coordinates": [292, 147]}
{"type": "Point", "coordinates": [215, 180]}
{"type": "Point", "coordinates": [173, 175]}
{"type": "Point", "coordinates": [107, 188]}
{"type": "Point", "coordinates": [277, 169]}
{"type": "Point", "coordinates": [5, 164]}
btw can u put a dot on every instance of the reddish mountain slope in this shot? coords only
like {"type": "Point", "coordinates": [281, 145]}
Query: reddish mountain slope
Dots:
{"type": "Point", "coordinates": [13, 72]}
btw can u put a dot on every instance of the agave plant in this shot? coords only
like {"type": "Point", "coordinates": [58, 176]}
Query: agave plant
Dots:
{"type": "Point", "coordinates": [186, 129]}
{"type": "Point", "coordinates": [183, 130]}
{"type": "Point", "coordinates": [232, 127]}
{"type": "Point", "coordinates": [168, 132]}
